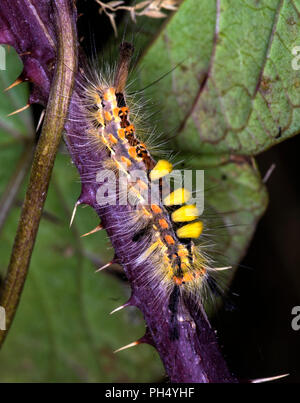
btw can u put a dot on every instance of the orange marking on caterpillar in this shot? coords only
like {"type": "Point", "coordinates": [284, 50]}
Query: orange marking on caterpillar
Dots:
{"type": "Point", "coordinates": [163, 223]}
{"type": "Point", "coordinates": [169, 239]}
{"type": "Point", "coordinates": [126, 161]}
{"type": "Point", "coordinates": [123, 111]}
{"type": "Point", "coordinates": [112, 139]}
{"type": "Point", "coordinates": [156, 209]}
{"type": "Point", "coordinates": [201, 272]}
{"type": "Point", "coordinates": [121, 134]}
{"type": "Point", "coordinates": [177, 280]}
{"type": "Point", "coordinates": [116, 112]}
{"type": "Point", "coordinates": [183, 252]}
{"type": "Point", "coordinates": [132, 153]}
{"type": "Point", "coordinates": [129, 129]}
{"type": "Point", "coordinates": [107, 115]}
{"type": "Point", "coordinates": [188, 277]}
{"type": "Point", "coordinates": [109, 94]}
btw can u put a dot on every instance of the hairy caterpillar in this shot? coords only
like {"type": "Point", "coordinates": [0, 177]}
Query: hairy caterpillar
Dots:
{"type": "Point", "coordinates": [165, 231]}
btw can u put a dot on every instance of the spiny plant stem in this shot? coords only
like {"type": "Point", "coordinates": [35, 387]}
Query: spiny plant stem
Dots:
{"type": "Point", "coordinates": [43, 161]}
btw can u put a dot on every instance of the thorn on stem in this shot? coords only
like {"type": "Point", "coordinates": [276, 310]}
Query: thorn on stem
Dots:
{"type": "Point", "coordinates": [271, 378]}
{"type": "Point", "coordinates": [74, 211]}
{"type": "Point", "coordinates": [40, 120]}
{"type": "Point", "coordinates": [18, 81]}
{"type": "Point", "coordinates": [223, 268]}
{"type": "Point", "coordinates": [19, 110]}
{"type": "Point", "coordinates": [135, 343]}
{"type": "Point", "coordinates": [120, 307]}
{"type": "Point", "coordinates": [104, 267]}
{"type": "Point", "coordinates": [96, 229]}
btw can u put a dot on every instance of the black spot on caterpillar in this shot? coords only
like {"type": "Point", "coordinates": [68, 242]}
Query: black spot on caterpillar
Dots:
{"type": "Point", "coordinates": [141, 233]}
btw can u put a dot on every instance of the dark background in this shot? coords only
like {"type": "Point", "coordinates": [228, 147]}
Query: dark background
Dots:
{"type": "Point", "coordinates": [258, 336]}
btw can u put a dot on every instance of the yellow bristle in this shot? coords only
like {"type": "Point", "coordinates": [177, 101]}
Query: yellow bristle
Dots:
{"type": "Point", "coordinates": [185, 213]}
{"type": "Point", "coordinates": [151, 249]}
{"type": "Point", "coordinates": [179, 196]}
{"type": "Point", "coordinates": [193, 230]}
{"type": "Point", "coordinates": [161, 169]}
{"type": "Point", "coordinates": [97, 99]}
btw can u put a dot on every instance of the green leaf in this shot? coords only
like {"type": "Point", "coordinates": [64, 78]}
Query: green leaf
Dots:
{"type": "Point", "coordinates": [20, 125]}
{"type": "Point", "coordinates": [234, 89]}
{"type": "Point", "coordinates": [231, 91]}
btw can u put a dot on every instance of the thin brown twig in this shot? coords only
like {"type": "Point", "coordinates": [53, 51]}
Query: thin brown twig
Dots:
{"type": "Point", "coordinates": [147, 8]}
